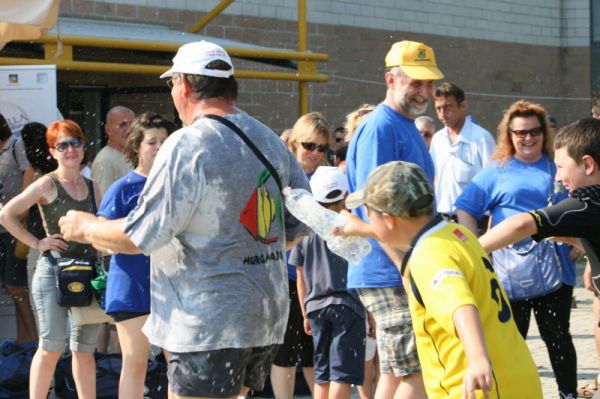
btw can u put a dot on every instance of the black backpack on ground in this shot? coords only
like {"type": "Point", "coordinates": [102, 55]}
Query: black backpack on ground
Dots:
{"type": "Point", "coordinates": [108, 371]}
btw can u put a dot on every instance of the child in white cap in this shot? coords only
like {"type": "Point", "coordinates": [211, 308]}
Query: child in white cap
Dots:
{"type": "Point", "coordinates": [333, 315]}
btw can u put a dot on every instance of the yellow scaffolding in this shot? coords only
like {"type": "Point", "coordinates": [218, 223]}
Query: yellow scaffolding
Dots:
{"type": "Point", "coordinates": [306, 61]}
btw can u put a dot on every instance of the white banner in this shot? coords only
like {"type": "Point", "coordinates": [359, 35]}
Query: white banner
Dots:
{"type": "Point", "coordinates": [26, 19]}
{"type": "Point", "coordinates": [28, 94]}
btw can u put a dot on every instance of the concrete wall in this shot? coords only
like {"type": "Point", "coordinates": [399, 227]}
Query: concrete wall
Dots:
{"type": "Point", "coordinates": [495, 54]}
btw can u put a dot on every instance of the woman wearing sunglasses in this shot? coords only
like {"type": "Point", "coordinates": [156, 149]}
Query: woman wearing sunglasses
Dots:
{"type": "Point", "coordinates": [56, 193]}
{"type": "Point", "coordinates": [309, 141]}
{"type": "Point", "coordinates": [520, 179]}
{"type": "Point", "coordinates": [128, 286]}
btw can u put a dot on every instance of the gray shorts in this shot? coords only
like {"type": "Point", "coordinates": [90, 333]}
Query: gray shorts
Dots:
{"type": "Point", "coordinates": [220, 373]}
{"type": "Point", "coordinates": [395, 338]}
{"type": "Point", "coordinates": [53, 318]}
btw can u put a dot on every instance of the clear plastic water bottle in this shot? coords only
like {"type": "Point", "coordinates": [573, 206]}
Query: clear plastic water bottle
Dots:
{"type": "Point", "coordinates": [323, 221]}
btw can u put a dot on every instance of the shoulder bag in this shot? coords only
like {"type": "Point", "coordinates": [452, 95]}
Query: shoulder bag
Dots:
{"type": "Point", "coordinates": [528, 269]}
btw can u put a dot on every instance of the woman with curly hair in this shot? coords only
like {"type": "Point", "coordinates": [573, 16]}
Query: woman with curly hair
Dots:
{"type": "Point", "coordinates": [128, 285]}
{"type": "Point", "coordinates": [521, 178]}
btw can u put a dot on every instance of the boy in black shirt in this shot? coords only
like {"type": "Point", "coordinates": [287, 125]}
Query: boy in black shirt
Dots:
{"type": "Point", "coordinates": [577, 158]}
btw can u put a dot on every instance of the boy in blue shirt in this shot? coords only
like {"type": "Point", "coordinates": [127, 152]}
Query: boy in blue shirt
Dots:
{"type": "Point", "coordinates": [333, 315]}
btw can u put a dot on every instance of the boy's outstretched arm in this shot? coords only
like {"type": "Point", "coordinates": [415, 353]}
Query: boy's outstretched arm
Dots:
{"type": "Point", "coordinates": [479, 370]}
{"type": "Point", "coordinates": [354, 226]}
{"type": "Point", "coordinates": [509, 231]}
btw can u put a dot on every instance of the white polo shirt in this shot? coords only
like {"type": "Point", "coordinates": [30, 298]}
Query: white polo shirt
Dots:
{"type": "Point", "coordinates": [456, 164]}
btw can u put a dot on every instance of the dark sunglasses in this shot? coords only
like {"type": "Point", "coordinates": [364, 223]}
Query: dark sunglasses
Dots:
{"type": "Point", "coordinates": [308, 146]}
{"type": "Point", "coordinates": [73, 143]}
{"type": "Point", "coordinates": [534, 132]}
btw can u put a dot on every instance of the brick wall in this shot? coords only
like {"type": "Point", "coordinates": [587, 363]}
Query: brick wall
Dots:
{"type": "Point", "coordinates": [493, 73]}
{"type": "Point", "coordinates": [542, 22]}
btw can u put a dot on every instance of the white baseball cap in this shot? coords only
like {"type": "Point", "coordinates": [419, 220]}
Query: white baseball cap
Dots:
{"type": "Point", "coordinates": [328, 184]}
{"type": "Point", "coordinates": [192, 58]}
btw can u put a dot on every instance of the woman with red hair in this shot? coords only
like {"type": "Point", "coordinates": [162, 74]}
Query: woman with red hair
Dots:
{"type": "Point", "coordinates": [56, 193]}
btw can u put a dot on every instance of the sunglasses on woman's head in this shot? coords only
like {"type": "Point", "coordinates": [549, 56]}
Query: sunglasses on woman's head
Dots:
{"type": "Point", "coordinates": [62, 146]}
{"type": "Point", "coordinates": [308, 146]}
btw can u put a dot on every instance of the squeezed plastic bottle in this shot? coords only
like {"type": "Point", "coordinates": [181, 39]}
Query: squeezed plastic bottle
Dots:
{"type": "Point", "coordinates": [305, 208]}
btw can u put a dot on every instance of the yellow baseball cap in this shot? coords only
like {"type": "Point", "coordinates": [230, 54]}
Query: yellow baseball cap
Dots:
{"type": "Point", "coordinates": [417, 60]}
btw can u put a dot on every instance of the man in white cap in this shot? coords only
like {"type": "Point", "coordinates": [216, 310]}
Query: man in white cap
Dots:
{"type": "Point", "coordinates": [211, 217]}
{"type": "Point", "coordinates": [389, 134]}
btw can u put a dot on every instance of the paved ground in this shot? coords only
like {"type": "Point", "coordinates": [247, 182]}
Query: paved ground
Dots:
{"type": "Point", "coordinates": [582, 329]}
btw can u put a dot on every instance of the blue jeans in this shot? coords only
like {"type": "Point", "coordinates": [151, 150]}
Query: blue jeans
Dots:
{"type": "Point", "coordinates": [53, 318]}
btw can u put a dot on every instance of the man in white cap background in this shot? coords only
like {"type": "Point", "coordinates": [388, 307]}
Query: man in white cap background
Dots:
{"type": "Point", "coordinates": [216, 236]}
{"type": "Point", "coordinates": [389, 134]}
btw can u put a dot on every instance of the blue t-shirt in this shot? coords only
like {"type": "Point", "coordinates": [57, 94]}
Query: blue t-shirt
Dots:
{"type": "Point", "coordinates": [385, 135]}
{"type": "Point", "coordinates": [515, 187]}
{"type": "Point", "coordinates": [128, 285]}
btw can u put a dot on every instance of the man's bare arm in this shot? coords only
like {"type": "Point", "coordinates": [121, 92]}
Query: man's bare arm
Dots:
{"type": "Point", "coordinates": [89, 229]}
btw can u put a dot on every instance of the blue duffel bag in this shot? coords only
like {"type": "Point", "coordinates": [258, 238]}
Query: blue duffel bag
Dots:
{"type": "Point", "coordinates": [15, 361]}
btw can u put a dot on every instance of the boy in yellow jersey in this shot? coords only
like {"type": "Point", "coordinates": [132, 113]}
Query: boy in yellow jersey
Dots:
{"type": "Point", "coordinates": [468, 343]}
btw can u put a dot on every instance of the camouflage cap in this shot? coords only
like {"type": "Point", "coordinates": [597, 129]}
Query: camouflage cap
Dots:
{"type": "Point", "coordinates": [397, 188]}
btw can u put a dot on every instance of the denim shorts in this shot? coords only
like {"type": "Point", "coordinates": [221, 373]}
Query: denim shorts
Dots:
{"type": "Point", "coordinates": [53, 318]}
{"type": "Point", "coordinates": [220, 373]}
{"type": "Point", "coordinates": [339, 336]}
{"type": "Point", "coordinates": [396, 343]}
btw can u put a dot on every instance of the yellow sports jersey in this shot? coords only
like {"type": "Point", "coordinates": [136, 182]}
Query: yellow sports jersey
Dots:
{"type": "Point", "coordinates": [447, 268]}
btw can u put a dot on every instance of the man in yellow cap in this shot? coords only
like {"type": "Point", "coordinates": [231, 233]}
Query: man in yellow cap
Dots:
{"type": "Point", "coordinates": [390, 134]}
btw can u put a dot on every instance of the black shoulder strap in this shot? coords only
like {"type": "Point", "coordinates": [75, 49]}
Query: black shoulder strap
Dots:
{"type": "Point", "coordinates": [90, 184]}
{"type": "Point", "coordinates": [250, 144]}
{"type": "Point", "coordinates": [14, 152]}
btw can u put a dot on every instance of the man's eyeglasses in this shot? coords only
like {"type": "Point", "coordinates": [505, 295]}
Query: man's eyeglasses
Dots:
{"type": "Point", "coordinates": [308, 146]}
{"type": "Point", "coordinates": [533, 132]}
{"type": "Point", "coordinates": [62, 146]}
{"type": "Point", "coordinates": [171, 81]}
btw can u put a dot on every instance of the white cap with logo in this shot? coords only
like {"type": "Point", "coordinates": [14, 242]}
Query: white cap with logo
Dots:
{"type": "Point", "coordinates": [328, 184]}
{"type": "Point", "coordinates": [192, 58]}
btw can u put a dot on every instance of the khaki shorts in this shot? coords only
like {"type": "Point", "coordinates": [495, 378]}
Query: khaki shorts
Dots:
{"type": "Point", "coordinates": [395, 338]}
